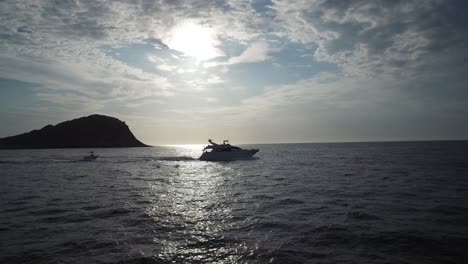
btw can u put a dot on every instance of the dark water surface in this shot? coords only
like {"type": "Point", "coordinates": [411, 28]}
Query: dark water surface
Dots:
{"type": "Point", "coordinates": [401, 202]}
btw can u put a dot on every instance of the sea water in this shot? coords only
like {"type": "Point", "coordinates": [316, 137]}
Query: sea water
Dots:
{"type": "Point", "coordinates": [401, 202]}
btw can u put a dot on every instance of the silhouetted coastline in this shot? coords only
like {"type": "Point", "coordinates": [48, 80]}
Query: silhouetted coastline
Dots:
{"type": "Point", "coordinates": [94, 131]}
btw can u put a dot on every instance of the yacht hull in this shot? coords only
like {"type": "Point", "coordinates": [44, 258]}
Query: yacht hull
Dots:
{"type": "Point", "coordinates": [228, 155]}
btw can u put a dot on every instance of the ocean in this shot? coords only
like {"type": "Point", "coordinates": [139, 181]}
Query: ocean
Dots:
{"type": "Point", "coordinates": [394, 202]}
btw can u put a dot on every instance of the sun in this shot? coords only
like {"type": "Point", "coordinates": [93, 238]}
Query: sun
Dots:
{"type": "Point", "coordinates": [194, 40]}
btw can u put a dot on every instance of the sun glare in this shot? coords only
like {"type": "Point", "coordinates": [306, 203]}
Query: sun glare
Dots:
{"type": "Point", "coordinates": [194, 40]}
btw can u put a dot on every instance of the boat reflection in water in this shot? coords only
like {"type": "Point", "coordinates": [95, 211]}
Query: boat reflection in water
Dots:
{"type": "Point", "coordinates": [225, 152]}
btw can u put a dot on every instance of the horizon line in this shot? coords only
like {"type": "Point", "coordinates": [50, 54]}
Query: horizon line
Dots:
{"type": "Point", "coordinates": [321, 142]}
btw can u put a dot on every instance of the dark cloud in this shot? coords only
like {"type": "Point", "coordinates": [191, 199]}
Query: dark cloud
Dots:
{"type": "Point", "coordinates": [380, 35]}
{"type": "Point", "coordinates": [24, 29]}
{"type": "Point", "coordinates": [77, 18]}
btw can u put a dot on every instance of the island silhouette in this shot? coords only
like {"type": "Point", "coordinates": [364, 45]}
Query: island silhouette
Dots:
{"type": "Point", "coordinates": [94, 131]}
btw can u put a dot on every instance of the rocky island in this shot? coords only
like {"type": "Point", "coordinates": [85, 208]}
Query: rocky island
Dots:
{"type": "Point", "coordinates": [94, 131]}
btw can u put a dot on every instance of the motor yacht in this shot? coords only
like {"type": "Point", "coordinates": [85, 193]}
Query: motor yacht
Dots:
{"type": "Point", "coordinates": [225, 151]}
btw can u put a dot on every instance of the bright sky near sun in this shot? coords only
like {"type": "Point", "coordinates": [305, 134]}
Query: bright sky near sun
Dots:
{"type": "Point", "coordinates": [180, 72]}
{"type": "Point", "coordinates": [193, 40]}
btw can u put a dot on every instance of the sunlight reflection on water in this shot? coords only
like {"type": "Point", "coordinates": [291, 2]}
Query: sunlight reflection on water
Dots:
{"type": "Point", "coordinates": [192, 206]}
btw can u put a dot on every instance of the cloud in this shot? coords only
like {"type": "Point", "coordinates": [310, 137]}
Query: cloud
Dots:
{"type": "Point", "coordinates": [391, 55]}
{"type": "Point", "coordinates": [68, 38]}
{"type": "Point", "coordinates": [211, 100]}
{"type": "Point", "coordinates": [330, 106]}
{"type": "Point", "coordinates": [166, 67]}
{"type": "Point", "coordinates": [84, 81]}
{"type": "Point", "coordinates": [257, 52]}
{"type": "Point", "coordinates": [214, 79]}
{"type": "Point", "coordinates": [377, 37]}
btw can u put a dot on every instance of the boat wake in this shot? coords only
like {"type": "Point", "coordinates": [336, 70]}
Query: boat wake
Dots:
{"type": "Point", "coordinates": [176, 158]}
{"type": "Point", "coordinates": [102, 159]}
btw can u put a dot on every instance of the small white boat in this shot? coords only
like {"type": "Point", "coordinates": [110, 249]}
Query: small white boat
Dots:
{"type": "Point", "coordinates": [225, 152]}
{"type": "Point", "coordinates": [91, 156]}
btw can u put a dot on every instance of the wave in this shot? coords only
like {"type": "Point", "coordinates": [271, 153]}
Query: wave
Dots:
{"type": "Point", "coordinates": [176, 158]}
{"type": "Point", "coordinates": [288, 201]}
{"type": "Point", "coordinates": [358, 215]}
{"type": "Point", "coordinates": [39, 161]}
{"type": "Point", "coordinates": [100, 159]}
{"type": "Point", "coordinates": [13, 161]}
{"type": "Point", "coordinates": [145, 159]}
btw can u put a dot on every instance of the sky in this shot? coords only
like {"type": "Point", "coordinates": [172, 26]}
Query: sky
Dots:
{"type": "Point", "coordinates": [252, 71]}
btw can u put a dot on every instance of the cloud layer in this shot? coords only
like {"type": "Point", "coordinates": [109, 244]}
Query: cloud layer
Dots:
{"type": "Point", "coordinates": [111, 56]}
